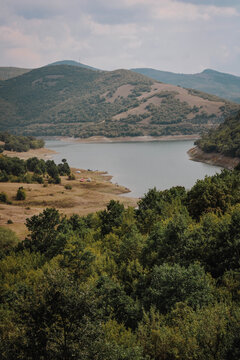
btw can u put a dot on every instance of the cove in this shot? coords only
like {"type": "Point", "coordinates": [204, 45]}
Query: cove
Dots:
{"type": "Point", "coordinates": [137, 165]}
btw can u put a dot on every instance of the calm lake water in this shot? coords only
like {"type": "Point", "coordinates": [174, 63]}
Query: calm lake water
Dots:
{"type": "Point", "coordinates": [138, 166]}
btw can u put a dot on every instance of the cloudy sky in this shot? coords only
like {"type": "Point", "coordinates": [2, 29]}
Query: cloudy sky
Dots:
{"type": "Point", "coordinates": [173, 35]}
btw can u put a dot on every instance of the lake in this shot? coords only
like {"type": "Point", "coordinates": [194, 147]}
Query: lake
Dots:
{"type": "Point", "coordinates": [137, 165]}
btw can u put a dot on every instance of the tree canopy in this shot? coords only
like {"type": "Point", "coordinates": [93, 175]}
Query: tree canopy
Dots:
{"type": "Point", "coordinates": [154, 283]}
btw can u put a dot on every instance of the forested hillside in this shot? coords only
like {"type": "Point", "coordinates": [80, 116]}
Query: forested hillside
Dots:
{"type": "Point", "coordinates": [157, 282]}
{"type": "Point", "coordinates": [74, 101]}
{"type": "Point", "coordinates": [72, 63]}
{"type": "Point", "coordinates": [210, 81]}
{"type": "Point", "coordinates": [225, 139]}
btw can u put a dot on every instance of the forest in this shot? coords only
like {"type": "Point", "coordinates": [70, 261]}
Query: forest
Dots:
{"type": "Point", "coordinates": [225, 139]}
{"type": "Point", "coordinates": [32, 170]}
{"type": "Point", "coordinates": [158, 282]}
{"type": "Point", "coordinates": [19, 143]}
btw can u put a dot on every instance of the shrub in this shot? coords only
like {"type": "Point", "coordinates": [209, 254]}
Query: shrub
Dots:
{"type": "Point", "coordinates": [68, 187]}
{"type": "Point", "coordinates": [8, 240]}
{"type": "Point", "coordinates": [37, 178]}
{"type": "Point", "coordinates": [21, 194]}
{"type": "Point", "coordinates": [3, 197]}
{"type": "Point", "coordinates": [71, 177]}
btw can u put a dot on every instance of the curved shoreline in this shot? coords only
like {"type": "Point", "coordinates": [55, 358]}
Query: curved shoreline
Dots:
{"type": "Point", "coordinates": [217, 159]}
{"type": "Point", "coordinates": [104, 139]}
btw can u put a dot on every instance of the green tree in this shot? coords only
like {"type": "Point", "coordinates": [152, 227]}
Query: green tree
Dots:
{"type": "Point", "coordinates": [44, 236]}
{"type": "Point", "coordinates": [21, 193]}
{"type": "Point", "coordinates": [8, 240]}
{"type": "Point", "coordinates": [173, 283]}
{"type": "Point", "coordinates": [111, 217]}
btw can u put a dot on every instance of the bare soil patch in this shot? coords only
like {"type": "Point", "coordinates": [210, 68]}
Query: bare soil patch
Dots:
{"type": "Point", "coordinates": [123, 91]}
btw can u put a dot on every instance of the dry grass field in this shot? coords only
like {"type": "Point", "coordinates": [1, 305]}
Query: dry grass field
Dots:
{"type": "Point", "coordinates": [83, 198]}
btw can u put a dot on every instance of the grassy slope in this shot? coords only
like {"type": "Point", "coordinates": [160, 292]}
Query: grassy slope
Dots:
{"type": "Point", "coordinates": [74, 101]}
{"type": "Point", "coordinates": [213, 82]}
{"type": "Point", "coordinates": [11, 72]}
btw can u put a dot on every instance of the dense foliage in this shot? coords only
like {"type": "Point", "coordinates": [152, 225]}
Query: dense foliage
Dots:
{"type": "Point", "coordinates": [20, 143]}
{"type": "Point", "coordinates": [80, 102]}
{"type": "Point", "coordinates": [32, 170]}
{"type": "Point", "coordinates": [225, 139]}
{"type": "Point", "coordinates": [159, 282]}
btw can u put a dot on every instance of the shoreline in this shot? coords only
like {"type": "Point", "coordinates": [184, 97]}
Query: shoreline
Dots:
{"type": "Point", "coordinates": [104, 139]}
{"type": "Point", "coordinates": [216, 159]}
{"type": "Point", "coordinates": [42, 153]}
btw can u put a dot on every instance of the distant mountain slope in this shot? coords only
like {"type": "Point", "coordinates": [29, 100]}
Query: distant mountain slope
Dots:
{"type": "Point", "coordinates": [10, 72]}
{"type": "Point", "coordinates": [225, 139]}
{"type": "Point", "coordinates": [74, 101]}
{"type": "Point", "coordinates": [213, 82]}
{"type": "Point", "coordinates": [73, 63]}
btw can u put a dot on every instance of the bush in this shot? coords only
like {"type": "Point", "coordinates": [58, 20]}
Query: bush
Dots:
{"type": "Point", "coordinates": [8, 240]}
{"type": "Point", "coordinates": [71, 177]}
{"type": "Point", "coordinates": [21, 194]}
{"type": "Point", "coordinates": [3, 197]}
{"type": "Point", "coordinates": [68, 187]}
{"type": "Point", "coordinates": [55, 180]}
{"type": "Point", "coordinates": [37, 178]}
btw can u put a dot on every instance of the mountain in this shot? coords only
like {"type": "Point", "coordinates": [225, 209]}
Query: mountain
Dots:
{"type": "Point", "coordinates": [73, 63]}
{"type": "Point", "coordinates": [213, 82]}
{"type": "Point", "coordinates": [225, 139]}
{"type": "Point", "coordinates": [11, 72]}
{"type": "Point", "coordinates": [74, 101]}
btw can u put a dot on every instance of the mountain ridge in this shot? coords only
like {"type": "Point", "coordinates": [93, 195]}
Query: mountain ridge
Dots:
{"type": "Point", "coordinates": [73, 63]}
{"type": "Point", "coordinates": [76, 101]}
{"type": "Point", "coordinates": [210, 81]}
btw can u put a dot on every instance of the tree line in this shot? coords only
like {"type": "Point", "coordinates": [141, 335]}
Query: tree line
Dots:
{"type": "Point", "coordinates": [225, 139]}
{"type": "Point", "coordinates": [158, 282]}
{"type": "Point", "coordinates": [31, 170]}
{"type": "Point", "coordinates": [19, 143]}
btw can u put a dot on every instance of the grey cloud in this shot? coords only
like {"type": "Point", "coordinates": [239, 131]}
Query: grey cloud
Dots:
{"type": "Point", "coordinates": [226, 3]}
{"type": "Point", "coordinates": [113, 34]}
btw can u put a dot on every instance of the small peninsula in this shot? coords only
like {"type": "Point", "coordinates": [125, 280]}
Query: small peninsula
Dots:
{"type": "Point", "coordinates": [221, 146]}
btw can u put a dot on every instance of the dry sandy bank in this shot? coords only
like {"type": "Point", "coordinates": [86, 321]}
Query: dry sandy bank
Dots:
{"type": "Point", "coordinates": [42, 153]}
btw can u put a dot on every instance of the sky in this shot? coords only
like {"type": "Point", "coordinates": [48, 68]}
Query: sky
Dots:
{"type": "Point", "coordinates": [184, 36]}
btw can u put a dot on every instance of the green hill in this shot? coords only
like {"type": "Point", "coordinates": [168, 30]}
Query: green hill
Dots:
{"type": "Point", "coordinates": [213, 82]}
{"type": "Point", "coordinates": [73, 63]}
{"type": "Point", "coordinates": [225, 139]}
{"type": "Point", "coordinates": [11, 72]}
{"type": "Point", "coordinates": [74, 101]}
